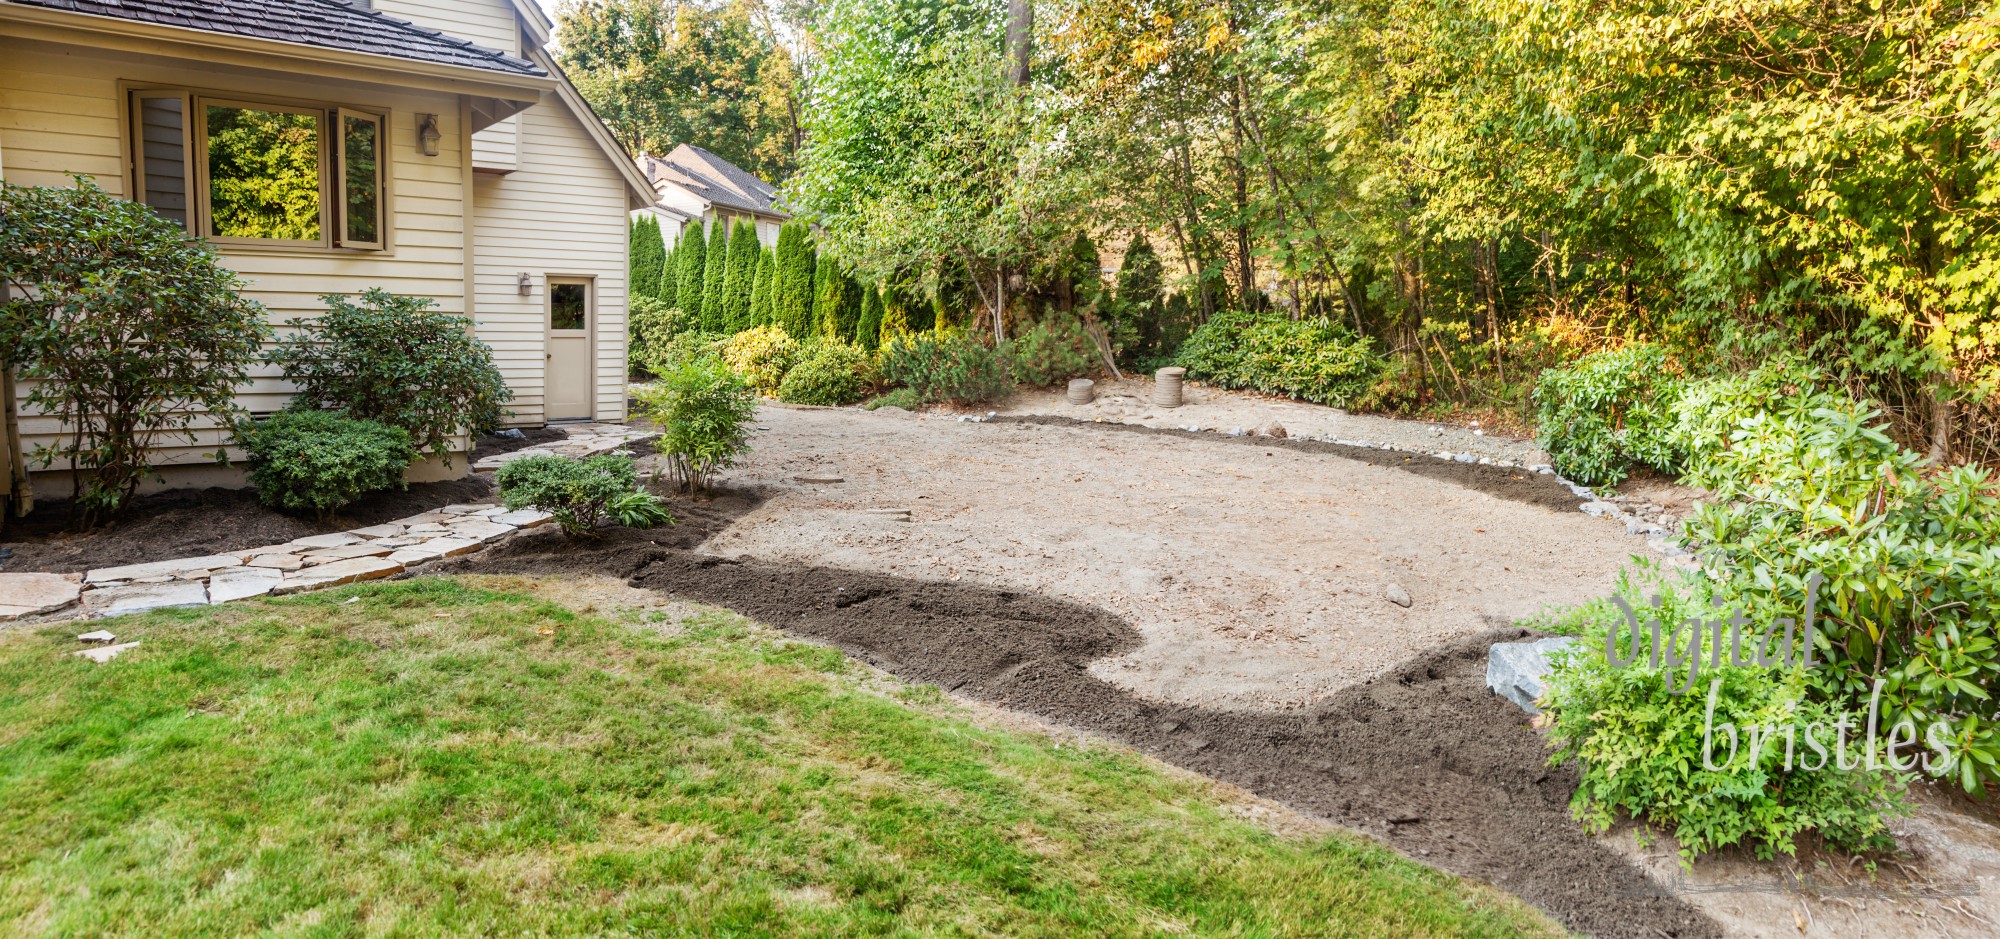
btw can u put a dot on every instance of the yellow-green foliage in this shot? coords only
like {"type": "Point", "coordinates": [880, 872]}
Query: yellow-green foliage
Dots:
{"type": "Point", "coordinates": [762, 356]}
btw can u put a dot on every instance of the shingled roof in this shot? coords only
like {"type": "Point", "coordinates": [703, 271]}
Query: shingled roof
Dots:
{"type": "Point", "coordinates": [327, 24]}
{"type": "Point", "coordinates": [713, 178]}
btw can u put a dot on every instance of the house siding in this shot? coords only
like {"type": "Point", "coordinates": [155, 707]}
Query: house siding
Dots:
{"type": "Point", "coordinates": [64, 113]}
{"type": "Point", "coordinates": [562, 213]}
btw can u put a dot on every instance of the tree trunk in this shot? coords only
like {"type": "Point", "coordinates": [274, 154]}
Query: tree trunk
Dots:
{"type": "Point", "coordinates": [1941, 420]}
{"type": "Point", "coordinates": [1020, 39]}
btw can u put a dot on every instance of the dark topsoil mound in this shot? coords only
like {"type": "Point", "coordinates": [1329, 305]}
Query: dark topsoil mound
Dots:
{"type": "Point", "coordinates": [192, 522]}
{"type": "Point", "coordinates": [1423, 757]}
{"type": "Point", "coordinates": [1519, 485]}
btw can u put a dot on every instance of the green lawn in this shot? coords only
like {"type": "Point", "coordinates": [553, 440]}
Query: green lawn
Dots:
{"type": "Point", "coordinates": [454, 757]}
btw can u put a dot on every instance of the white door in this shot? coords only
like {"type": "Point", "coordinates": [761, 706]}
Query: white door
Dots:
{"type": "Point", "coordinates": [572, 315]}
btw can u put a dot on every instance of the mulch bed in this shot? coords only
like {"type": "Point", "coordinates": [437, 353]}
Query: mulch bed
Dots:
{"type": "Point", "coordinates": [193, 522]}
{"type": "Point", "coordinates": [1423, 758]}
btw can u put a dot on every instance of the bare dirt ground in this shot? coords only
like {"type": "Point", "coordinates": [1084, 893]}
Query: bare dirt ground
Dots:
{"type": "Point", "coordinates": [1128, 402]}
{"type": "Point", "coordinates": [1257, 574]}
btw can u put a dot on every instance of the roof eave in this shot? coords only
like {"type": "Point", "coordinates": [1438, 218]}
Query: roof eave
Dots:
{"type": "Point", "coordinates": [106, 32]}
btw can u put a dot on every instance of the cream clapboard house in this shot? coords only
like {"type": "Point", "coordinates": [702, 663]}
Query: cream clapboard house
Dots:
{"type": "Point", "coordinates": [453, 162]}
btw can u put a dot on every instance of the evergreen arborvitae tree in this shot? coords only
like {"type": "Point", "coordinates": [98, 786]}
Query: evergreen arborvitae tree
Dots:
{"type": "Point", "coordinates": [848, 318]}
{"type": "Point", "coordinates": [760, 289]}
{"type": "Point", "coordinates": [649, 254]}
{"type": "Point", "coordinates": [895, 315]}
{"type": "Point", "coordinates": [714, 316]}
{"type": "Point", "coordinates": [1139, 303]}
{"type": "Point", "coordinates": [667, 288]}
{"type": "Point", "coordinates": [688, 270]}
{"type": "Point", "coordinates": [868, 329]}
{"type": "Point", "coordinates": [829, 289]}
{"type": "Point", "coordinates": [792, 298]}
{"type": "Point", "coordinates": [737, 280]}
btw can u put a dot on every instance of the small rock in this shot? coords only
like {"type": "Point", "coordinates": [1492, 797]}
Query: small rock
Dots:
{"type": "Point", "coordinates": [1514, 670]}
{"type": "Point", "coordinates": [1465, 457]}
{"type": "Point", "coordinates": [105, 654]}
{"type": "Point", "coordinates": [511, 433]}
{"type": "Point", "coordinates": [1395, 593]}
{"type": "Point", "coordinates": [1599, 509]}
{"type": "Point", "coordinates": [1272, 429]}
{"type": "Point", "coordinates": [820, 478]}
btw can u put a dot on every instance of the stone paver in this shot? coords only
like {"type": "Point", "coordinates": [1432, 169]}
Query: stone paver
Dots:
{"type": "Point", "coordinates": [29, 594]}
{"type": "Point", "coordinates": [335, 540]}
{"type": "Point", "coordinates": [302, 564]}
{"type": "Point", "coordinates": [103, 654]}
{"type": "Point", "coordinates": [169, 569]}
{"type": "Point", "coordinates": [243, 582]}
{"type": "Point", "coordinates": [337, 573]}
{"type": "Point", "coordinates": [278, 562]}
{"type": "Point", "coordinates": [138, 598]}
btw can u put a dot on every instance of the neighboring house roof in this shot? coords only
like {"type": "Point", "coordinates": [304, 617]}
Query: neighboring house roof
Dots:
{"type": "Point", "coordinates": [714, 179]}
{"type": "Point", "coordinates": [327, 24]}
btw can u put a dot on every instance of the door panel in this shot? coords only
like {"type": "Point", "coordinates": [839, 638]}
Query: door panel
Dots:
{"type": "Point", "coordinates": [572, 316]}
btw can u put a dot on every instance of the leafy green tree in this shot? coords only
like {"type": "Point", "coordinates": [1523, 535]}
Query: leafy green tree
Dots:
{"type": "Point", "coordinates": [928, 151]}
{"type": "Point", "coordinates": [691, 270]}
{"type": "Point", "coordinates": [714, 75]}
{"type": "Point", "coordinates": [738, 280]}
{"type": "Point", "coordinates": [792, 297]}
{"type": "Point", "coordinates": [127, 331]}
{"type": "Point", "coordinates": [715, 273]}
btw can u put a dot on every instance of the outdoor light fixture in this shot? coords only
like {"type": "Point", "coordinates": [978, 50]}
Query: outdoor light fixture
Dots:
{"type": "Point", "coordinates": [527, 284]}
{"type": "Point", "coordinates": [427, 133]}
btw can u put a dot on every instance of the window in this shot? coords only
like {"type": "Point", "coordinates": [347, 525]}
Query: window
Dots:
{"type": "Point", "coordinates": [249, 172]}
{"type": "Point", "coordinates": [567, 306]}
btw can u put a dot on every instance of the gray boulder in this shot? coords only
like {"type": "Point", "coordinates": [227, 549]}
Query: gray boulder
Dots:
{"type": "Point", "coordinates": [1514, 670]}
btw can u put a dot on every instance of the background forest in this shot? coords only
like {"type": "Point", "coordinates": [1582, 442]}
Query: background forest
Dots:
{"type": "Point", "coordinates": [1473, 192]}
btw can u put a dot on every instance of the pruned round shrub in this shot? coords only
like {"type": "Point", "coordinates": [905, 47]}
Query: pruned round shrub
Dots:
{"type": "Point", "coordinates": [581, 493]}
{"type": "Point", "coordinates": [896, 398]}
{"type": "Point", "coordinates": [762, 356]}
{"type": "Point", "coordinates": [829, 373]}
{"type": "Point", "coordinates": [319, 461]}
{"type": "Point", "coordinates": [653, 324]}
{"type": "Point", "coordinates": [703, 410]}
{"type": "Point", "coordinates": [1313, 359]}
{"type": "Point", "coordinates": [390, 358]}
{"type": "Point", "coordinates": [1052, 351]}
{"type": "Point", "coordinates": [1608, 410]}
{"type": "Point", "coordinates": [124, 330]}
{"type": "Point", "coordinates": [952, 368]}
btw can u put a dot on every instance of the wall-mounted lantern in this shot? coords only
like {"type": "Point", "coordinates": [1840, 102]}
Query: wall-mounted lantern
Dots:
{"type": "Point", "coordinates": [427, 133]}
{"type": "Point", "coordinates": [527, 285]}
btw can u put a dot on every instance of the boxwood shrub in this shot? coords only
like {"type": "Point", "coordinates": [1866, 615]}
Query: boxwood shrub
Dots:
{"type": "Point", "coordinates": [829, 373]}
{"type": "Point", "coordinates": [318, 461]}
